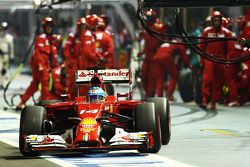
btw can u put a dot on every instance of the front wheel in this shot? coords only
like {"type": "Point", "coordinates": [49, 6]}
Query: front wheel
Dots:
{"type": "Point", "coordinates": [31, 123]}
{"type": "Point", "coordinates": [147, 120]}
{"type": "Point", "coordinates": [163, 110]}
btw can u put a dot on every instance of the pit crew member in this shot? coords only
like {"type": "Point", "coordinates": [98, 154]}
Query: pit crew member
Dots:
{"type": "Point", "coordinates": [213, 73]}
{"type": "Point", "coordinates": [72, 52]}
{"type": "Point", "coordinates": [163, 62]}
{"type": "Point", "coordinates": [104, 44]}
{"type": "Point", "coordinates": [150, 47]}
{"type": "Point", "coordinates": [42, 61]}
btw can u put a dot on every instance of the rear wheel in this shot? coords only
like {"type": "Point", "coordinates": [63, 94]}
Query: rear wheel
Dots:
{"type": "Point", "coordinates": [162, 108]}
{"type": "Point", "coordinates": [197, 88]}
{"type": "Point", "coordinates": [31, 122]}
{"type": "Point", "coordinates": [147, 120]}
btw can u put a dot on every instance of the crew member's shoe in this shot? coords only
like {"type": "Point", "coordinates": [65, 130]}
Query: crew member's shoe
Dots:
{"type": "Point", "coordinates": [171, 99]}
{"type": "Point", "coordinates": [213, 106]}
{"type": "Point", "coordinates": [203, 104]}
{"type": "Point", "coordinates": [233, 104]}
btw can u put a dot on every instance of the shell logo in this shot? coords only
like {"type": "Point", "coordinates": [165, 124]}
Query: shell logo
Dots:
{"type": "Point", "coordinates": [34, 138]}
{"type": "Point", "coordinates": [88, 121]}
{"type": "Point", "coordinates": [139, 136]}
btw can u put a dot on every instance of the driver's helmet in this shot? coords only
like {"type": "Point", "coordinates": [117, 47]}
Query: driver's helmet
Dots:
{"type": "Point", "coordinates": [96, 95]}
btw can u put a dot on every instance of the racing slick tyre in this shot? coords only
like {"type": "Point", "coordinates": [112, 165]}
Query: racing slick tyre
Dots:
{"type": "Point", "coordinates": [185, 84]}
{"type": "Point", "coordinates": [46, 102]}
{"type": "Point", "coordinates": [147, 120]}
{"type": "Point", "coordinates": [31, 122]}
{"type": "Point", "coordinates": [162, 108]}
{"type": "Point", "coordinates": [197, 88]}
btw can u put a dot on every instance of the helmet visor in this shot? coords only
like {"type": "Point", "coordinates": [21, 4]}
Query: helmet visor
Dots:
{"type": "Point", "coordinates": [96, 98]}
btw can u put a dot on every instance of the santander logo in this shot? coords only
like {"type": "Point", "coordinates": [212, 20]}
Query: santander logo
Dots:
{"type": "Point", "coordinates": [116, 73]}
{"type": "Point", "coordinates": [106, 73]}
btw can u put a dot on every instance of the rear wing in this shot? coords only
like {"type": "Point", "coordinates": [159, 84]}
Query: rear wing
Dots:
{"type": "Point", "coordinates": [107, 75]}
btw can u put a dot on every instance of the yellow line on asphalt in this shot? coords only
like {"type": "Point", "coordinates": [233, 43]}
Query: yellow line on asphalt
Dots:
{"type": "Point", "coordinates": [222, 132]}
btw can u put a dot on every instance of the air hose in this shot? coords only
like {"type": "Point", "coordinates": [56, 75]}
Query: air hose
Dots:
{"type": "Point", "coordinates": [189, 42]}
{"type": "Point", "coordinates": [37, 12]}
{"type": "Point", "coordinates": [204, 54]}
{"type": "Point", "coordinates": [19, 68]}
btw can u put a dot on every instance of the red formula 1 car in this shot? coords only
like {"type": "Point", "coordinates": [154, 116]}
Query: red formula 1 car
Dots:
{"type": "Point", "coordinates": [114, 123]}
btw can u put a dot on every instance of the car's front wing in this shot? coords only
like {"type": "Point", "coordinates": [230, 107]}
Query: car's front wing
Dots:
{"type": "Point", "coordinates": [120, 141]}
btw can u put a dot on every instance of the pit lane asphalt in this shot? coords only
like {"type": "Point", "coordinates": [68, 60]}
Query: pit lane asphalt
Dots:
{"type": "Point", "coordinates": [11, 157]}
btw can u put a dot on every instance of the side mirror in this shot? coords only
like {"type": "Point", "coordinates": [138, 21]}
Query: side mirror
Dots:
{"type": "Point", "coordinates": [122, 95]}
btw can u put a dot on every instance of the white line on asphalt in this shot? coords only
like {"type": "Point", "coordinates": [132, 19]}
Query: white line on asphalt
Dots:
{"type": "Point", "coordinates": [9, 142]}
{"type": "Point", "coordinates": [170, 162]}
{"type": "Point", "coordinates": [47, 157]}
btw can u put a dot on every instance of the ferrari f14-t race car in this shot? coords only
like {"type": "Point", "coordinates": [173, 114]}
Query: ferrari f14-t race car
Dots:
{"type": "Point", "coordinates": [96, 121]}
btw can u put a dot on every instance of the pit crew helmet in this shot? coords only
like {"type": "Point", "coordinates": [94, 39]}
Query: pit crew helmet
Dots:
{"type": "Point", "coordinates": [96, 95]}
{"type": "Point", "coordinates": [216, 19]}
{"type": "Point", "coordinates": [81, 24]}
{"type": "Point", "coordinates": [81, 21]}
{"type": "Point", "coordinates": [91, 21]}
{"type": "Point", "coordinates": [48, 25]}
{"type": "Point", "coordinates": [100, 23]}
{"type": "Point", "coordinates": [216, 14]}
{"type": "Point", "coordinates": [47, 21]}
